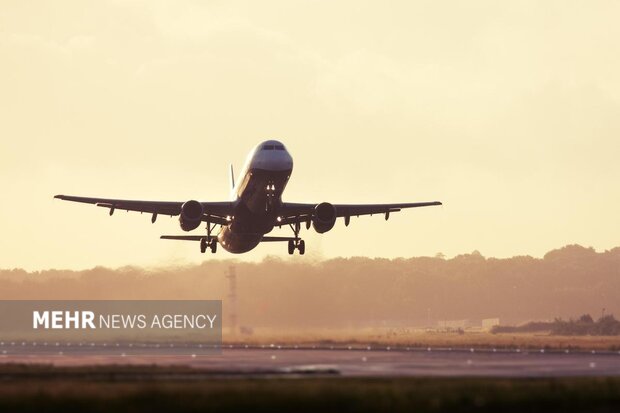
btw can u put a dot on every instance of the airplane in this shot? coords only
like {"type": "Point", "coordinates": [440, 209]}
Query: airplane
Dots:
{"type": "Point", "coordinates": [255, 207]}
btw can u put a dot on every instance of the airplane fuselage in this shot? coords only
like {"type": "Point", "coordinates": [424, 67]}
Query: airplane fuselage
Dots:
{"type": "Point", "coordinates": [257, 197]}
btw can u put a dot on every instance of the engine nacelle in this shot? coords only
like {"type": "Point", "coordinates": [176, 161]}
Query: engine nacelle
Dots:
{"type": "Point", "coordinates": [324, 217]}
{"type": "Point", "coordinates": [191, 215]}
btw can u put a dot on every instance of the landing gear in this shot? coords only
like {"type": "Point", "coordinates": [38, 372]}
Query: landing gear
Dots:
{"type": "Point", "coordinates": [297, 243]}
{"type": "Point", "coordinates": [209, 241]}
{"type": "Point", "coordinates": [270, 192]}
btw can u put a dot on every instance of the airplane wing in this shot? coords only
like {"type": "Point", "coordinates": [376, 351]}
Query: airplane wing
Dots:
{"type": "Point", "coordinates": [214, 212]}
{"type": "Point", "coordinates": [294, 212]}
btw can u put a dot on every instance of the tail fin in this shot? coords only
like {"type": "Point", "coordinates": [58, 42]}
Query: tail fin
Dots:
{"type": "Point", "coordinates": [232, 181]}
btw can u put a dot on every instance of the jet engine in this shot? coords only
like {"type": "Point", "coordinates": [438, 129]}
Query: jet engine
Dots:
{"type": "Point", "coordinates": [324, 217]}
{"type": "Point", "coordinates": [191, 215]}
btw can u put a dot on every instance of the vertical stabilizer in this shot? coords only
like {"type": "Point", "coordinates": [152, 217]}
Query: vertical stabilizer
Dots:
{"type": "Point", "coordinates": [232, 181]}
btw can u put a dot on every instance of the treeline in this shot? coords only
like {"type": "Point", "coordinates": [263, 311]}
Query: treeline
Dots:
{"type": "Point", "coordinates": [357, 292]}
{"type": "Point", "coordinates": [585, 325]}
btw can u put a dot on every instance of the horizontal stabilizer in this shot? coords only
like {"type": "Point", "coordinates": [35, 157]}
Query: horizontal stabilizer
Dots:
{"type": "Point", "coordinates": [276, 239]}
{"type": "Point", "coordinates": [200, 237]}
{"type": "Point", "coordinates": [184, 237]}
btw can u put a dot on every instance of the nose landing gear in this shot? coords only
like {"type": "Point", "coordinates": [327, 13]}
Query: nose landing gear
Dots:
{"type": "Point", "coordinates": [270, 192]}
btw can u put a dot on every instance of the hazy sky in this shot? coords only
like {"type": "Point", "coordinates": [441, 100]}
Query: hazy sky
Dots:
{"type": "Point", "coordinates": [508, 112]}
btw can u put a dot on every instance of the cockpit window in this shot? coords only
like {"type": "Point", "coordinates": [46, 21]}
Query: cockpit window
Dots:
{"type": "Point", "coordinates": [272, 147]}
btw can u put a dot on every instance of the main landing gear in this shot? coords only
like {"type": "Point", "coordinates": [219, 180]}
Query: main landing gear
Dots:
{"type": "Point", "coordinates": [209, 242]}
{"type": "Point", "coordinates": [297, 243]}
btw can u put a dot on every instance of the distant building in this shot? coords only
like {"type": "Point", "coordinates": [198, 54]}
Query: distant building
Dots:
{"type": "Point", "coordinates": [468, 324]}
{"type": "Point", "coordinates": [456, 324]}
{"type": "Point", "coordinates": [489, 323]}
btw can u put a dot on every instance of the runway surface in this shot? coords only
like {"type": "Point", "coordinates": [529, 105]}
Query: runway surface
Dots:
{"type": "Point", "coordinates": [274, 360]}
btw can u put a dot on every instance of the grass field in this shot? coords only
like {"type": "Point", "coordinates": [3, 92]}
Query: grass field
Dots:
{"type": "Point", "coordinates": [36, 388]}
{"type": "Point", "coordinates": [403, 337]}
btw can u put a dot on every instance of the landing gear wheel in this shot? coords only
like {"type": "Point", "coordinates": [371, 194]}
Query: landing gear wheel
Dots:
{"type": "Point", "coordinates": [203, 245]}
{"type": "Point", "coordinates": [213, 246]}
{"type": "Point", "coordinates": [301, 247]}
{"type": "Point", "coordinates": [291, 247]}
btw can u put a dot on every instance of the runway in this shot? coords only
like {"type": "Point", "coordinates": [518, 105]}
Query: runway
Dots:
{"type": "Point", "coordinates": [352, 361]}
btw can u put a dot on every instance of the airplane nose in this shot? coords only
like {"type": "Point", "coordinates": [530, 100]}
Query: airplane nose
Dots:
{"type": "Point", "coordinates": [288, 160]}
{"type": "Point", "coordinates": [282, 162]}
{"type": "Point", "coordinates": [273, 159]}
